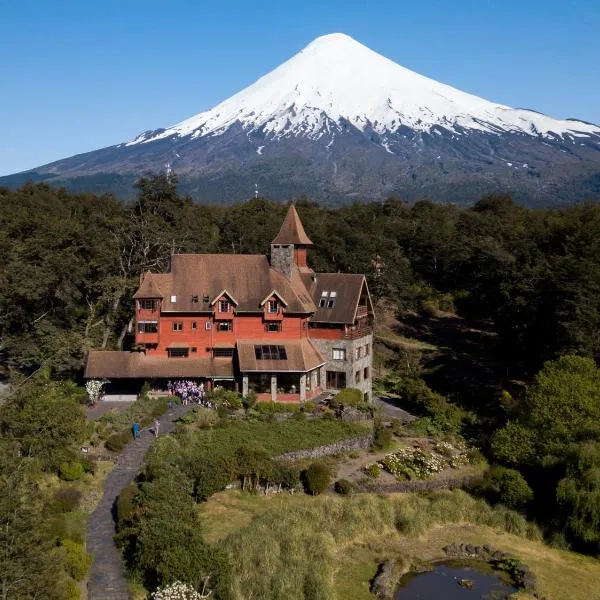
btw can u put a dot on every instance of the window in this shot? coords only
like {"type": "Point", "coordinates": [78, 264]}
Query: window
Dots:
{"type": "Point", "coordinates": [357, 377]}
{"type": "Point", "coordinates": [270, 353]}
{"type": "Point", "coordinates": [177, 326]}
{"type": "Point", "coordinates": [147, 304]}
{"type": "Point", "coordinates": [366, 373]}
{"type": "Point", "coordinates": [173, 299]}
{"type": "Point", "coordinates": [147, 327]}
{"type": "Point", "coordinates": [327, 299]}
{"type": "Point", "coordinates": [224, 326]}
{"type": "Point", "coordinates": [339, 354]}
{"type": "Point", "coordinates": [205, 299]}
{"type": "Point", "coordinates": [177, 352]}
{"type": "Point", "coordinates": [367, 350]}
{"type": "Point", "coordinates": [194, 349]}
{"type": "Point", "coordinates": [195, 299]}
{"type": "Point", "coordinates": [272, 306]}
{"type": "Point", "coordinates": [336, 380]}
{"type": "Point", "coordinates": [358, 352]}
{"type": "Point", "coordinates": [224, 306]}
{"type": "Point", "coordinates": [273, 326]}
{"type": "Point", "coordinates": [222, 352]}
{"type": "Point", "coordinates": [194, 325]}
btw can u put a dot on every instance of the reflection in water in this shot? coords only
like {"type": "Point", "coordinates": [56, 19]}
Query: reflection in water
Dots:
{"type": "Point", "coordinates": [445, 582]}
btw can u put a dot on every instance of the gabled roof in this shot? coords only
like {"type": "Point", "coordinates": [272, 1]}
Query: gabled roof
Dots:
{"type": "Point", "coordinates": [270, 295]}
{"type": "Point", "coordinates": [222, 293]}
{"type": "Point", "coordinates": [301, 356]}
{"type": "Point", "coordinates": [151, 286]}
{"type": "Point", "coordinates": [247, 278]}
{"type": "Point", "coordinates": [348, 288]}
{"type": "Point", "coordinates": [292, 230]}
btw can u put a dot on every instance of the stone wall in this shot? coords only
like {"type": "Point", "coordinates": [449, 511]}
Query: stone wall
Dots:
{"type": "Point", "coordinates": [347, 445]}
{"type": "Point", "coordinates": [352, 364]}
{"type": "Point", "coordinates": [282, 258]}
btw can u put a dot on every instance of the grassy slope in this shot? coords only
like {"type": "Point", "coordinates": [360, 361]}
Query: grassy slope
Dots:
{"type": "Point", "coordinates": [332, 546]}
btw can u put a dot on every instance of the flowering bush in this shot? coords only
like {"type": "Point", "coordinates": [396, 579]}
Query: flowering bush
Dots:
{"type": "Point", "coordinates": [93, 387]}
{"type": "Point", "coordinates": [410, 463]}
{"type": "Point", "coordinates": [178, 591]}
{"type": "Point", "coordinates": [373, 470]}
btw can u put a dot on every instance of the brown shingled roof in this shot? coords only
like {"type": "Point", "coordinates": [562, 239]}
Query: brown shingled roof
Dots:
{"type": "Point", "coordinates": [292, 230]}
{"type": "Point", "coordinates": [137, 365]}
{"type": "Point", "coordinates": [246, 277]}
{"type": "Point", "coordinates": [302, 356]}
{"type": "Point", "coordinates": [347, 286]}
{"type": "Point", "coordinates": [151, 285]}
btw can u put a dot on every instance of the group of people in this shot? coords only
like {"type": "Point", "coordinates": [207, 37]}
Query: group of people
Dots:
{"type": "Point", "coordinates": [190, 392]}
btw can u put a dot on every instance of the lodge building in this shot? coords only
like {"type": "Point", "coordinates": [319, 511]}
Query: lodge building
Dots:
{"type": "Point", "coordinates": [270, 325]}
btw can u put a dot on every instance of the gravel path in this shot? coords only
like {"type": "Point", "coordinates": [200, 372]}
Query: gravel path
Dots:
{"type": "Point", "coordinates": [107, 577]}
{"type": "Point", "coordinates": [391, 409]}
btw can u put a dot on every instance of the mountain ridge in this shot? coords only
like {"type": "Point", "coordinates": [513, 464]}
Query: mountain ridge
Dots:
{"type": "Point", "coordinates": [339, 121]}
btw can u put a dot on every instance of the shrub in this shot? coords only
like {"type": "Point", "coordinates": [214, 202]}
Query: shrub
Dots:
{"type": "Point", "coordinates": [250, 400]}
{"type": "Point", "coordinates": [89, 465]}
{"type": "Point", "coordinates": [71, 471]}
{"type": "Point", "coordinates": [505, 486]}
{"type": "Point", "coordinates": [117, 441]}
{"type": "Point", "coordinates": [343, 487]}
{"type": "Point", "coordinates": [373, 470]}
{"type": "Point", "coordinates": [316, 479]}
{"type": "Point", "coordinates": [382, 437]}
{"type": "Point", "coordinates": [66, 499]}
{"type": "Point", "coordinates": [77, 559]}
{"type": "Point", "coordinates": [348, 397]}
{"type": "Point", "coordinates": [125, 504]}
{"type": "Point", "coordinates": [286, 475]}
{"type": "Point", "coordinates": [397, 427]}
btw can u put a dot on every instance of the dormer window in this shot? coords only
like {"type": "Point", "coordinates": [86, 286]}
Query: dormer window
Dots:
{"type": "Point", "coordinates": [272, 306]}
{"type": "Point", "coordinates": [147, 304]}
{"type": "Point", "coordinates": [328, 299]}
{"type": "Point", "coordinates": [224, 306]}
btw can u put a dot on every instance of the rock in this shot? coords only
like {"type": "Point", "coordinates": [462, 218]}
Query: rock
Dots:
{"type": "Point", "coordinates": [470, 550]}
{"type": "Point", "coordinates": [467, 584]}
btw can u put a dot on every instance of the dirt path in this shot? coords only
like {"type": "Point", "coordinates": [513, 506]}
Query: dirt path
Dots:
{"type": "Point", "coordinates": [107, 577]}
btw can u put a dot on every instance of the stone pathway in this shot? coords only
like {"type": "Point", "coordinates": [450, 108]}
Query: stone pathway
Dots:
{"type": "Point", "coordinates": [390, 408]}
{"type": "Point", "coordinates": [107, 577]}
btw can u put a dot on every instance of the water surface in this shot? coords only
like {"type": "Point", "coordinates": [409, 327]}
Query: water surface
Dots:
{"type": "Point", "coordinates": [443, 583]}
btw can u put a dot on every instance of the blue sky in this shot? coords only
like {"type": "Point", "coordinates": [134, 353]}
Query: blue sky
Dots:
{"type": "Point", "coordinates": [76, 75]}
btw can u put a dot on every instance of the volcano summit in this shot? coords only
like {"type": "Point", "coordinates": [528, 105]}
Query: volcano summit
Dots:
{"type": "Point", "coordinates": [340, 122]}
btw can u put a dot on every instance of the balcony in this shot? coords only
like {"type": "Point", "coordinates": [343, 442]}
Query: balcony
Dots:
{"type": "Point", "coordinates": [356, 332]}
{"type": "Point", "coordinates": [362, 311]}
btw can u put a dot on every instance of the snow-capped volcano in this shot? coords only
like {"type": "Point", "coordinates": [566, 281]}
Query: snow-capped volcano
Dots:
{"type": "Point", "coordinates": [335, 79]}
{"type": "Point", "coordinates": [340, 122]}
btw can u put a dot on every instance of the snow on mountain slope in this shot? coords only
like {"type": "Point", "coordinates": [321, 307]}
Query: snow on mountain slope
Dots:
{"type": "Point", "coordinates": [335, 79]}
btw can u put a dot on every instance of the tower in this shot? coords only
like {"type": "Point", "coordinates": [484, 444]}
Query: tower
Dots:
{"type": "Point", "coordinates": [290, 245]}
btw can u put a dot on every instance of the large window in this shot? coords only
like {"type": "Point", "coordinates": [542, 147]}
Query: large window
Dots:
{"type": "Point", "coordinates": [336, 380]}
{"type": "Point", "coordinates": [147, 304]}
{"type": "Point", "coordinates": [366, 373]}
{"type": "Point", "coordinates": [270, 353]}
{"type": "Point", "coordinates": [178, 352]}
{"type": "Point", "coordinates": [177, 325]}
{"type": "Point", "coordinates": [273, 326]}
{"type": "Point", "coordinates": [224, 326]}
{"type": "Point", "coordinates": [339, 353]}
{"type": "Point", "coordinates": [224, 306]}
{"type": "Point", "coordinates": [357, 377]}
{"type": "Point", "coordinates": [147, 327]}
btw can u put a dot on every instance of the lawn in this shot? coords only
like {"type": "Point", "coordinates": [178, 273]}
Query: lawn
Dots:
{"type": "Point", "coordinates": [331, 546]}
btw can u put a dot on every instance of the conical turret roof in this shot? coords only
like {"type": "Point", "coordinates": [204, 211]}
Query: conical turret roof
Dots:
{"type": "Point", "coordinates": [292, 230]}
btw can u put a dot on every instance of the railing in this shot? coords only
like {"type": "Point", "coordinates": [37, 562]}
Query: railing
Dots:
{"type": "Point", "coordinates": [354, 334]}
{"type": "Point", "coordinates": [362, 311]}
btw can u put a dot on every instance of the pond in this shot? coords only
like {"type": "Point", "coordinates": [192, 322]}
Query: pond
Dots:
{"type": "Point", "coordinates": [455, 581]}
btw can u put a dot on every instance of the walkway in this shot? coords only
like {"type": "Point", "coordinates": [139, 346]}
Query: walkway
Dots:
{"type": "Point", "coordinates": [391, 409]}
{"type": "Point", "coordinates": [107, 577]}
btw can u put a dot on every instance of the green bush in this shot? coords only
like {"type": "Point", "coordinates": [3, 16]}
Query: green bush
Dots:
{"type": "Point", "coordinates": [398, 428]}
{"type": "Point", "coordinates": [71, 471]}
{"type": "Point", "coordinates": [348, 397]}
{"type": "Point", "coordinates": [505, 486]}
{"type": "Point", "coordinates": [373, 470]}
{"type": "Point", "coordinates": [117, 441]}
{"type": "Point", "coordinates": [66, 499]}
{"type": "Point", "coordinates": [125, 504]}
{"type": "Point", "coordinates": [250, 400]}
{"type": "Point", "coordinates": [285, 474]}
{"type": "Point", "coordinates": [382, 437]}
{"type": "Point", "coordinates": [343, 487]}
{"type": "Point", "coordinates": [316, 479]}
{"type": "Point", "coordinates": [78, 561]}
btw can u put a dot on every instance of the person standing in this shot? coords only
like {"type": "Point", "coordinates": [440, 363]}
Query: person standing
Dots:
{"type": "Point", "coordinates": [156, 427]}
{"type": "Point", "coordinates": [136, 431]}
